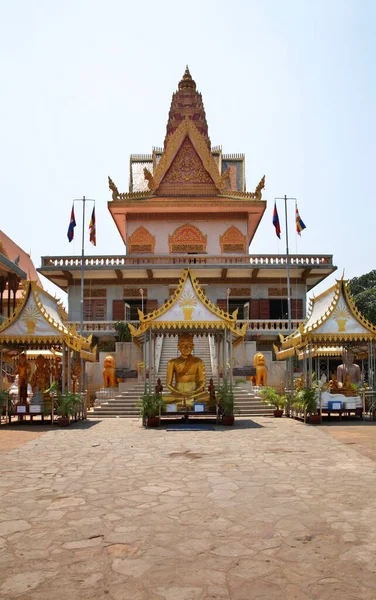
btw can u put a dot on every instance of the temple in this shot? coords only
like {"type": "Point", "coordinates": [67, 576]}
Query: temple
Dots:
{"type": "Point", "coordinates": [187, 207]}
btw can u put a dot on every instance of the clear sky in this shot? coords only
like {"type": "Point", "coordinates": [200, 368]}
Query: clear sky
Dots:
{"type": "Point", "coordinates": [291, 84]}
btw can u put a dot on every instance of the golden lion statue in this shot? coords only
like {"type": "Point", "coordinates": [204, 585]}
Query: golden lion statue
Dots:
{"type": "Point", "coordinates": [261, 370]}
{"type": "Point", "coordinates": [109, 378]}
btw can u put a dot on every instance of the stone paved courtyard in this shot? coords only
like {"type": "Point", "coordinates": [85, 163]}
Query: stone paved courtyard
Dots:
{"type": "Point", "coordinates": [271, 509]}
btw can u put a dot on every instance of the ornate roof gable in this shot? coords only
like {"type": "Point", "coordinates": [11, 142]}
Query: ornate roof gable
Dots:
{"type": "Point", "coordinates": [38, 318]}
{"type": "Point", "coordinates": [332, 317]}
{"type": "Point", "coordinates": [188, 308]}
{"type": "Point", "coordinates": [193, 161]}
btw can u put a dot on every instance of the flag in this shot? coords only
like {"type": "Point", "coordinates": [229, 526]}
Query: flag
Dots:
{"type": "Point", "coordinates": [299, 223]}
{"type": "Point", "coordinates": [276, 221]}
{"type": "Point", "coordinates": [92, 230]}
{"type": "Point", "coordinates": [72, 225]}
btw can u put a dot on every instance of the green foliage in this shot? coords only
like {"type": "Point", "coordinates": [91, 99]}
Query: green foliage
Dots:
{"type": "Point", "coordinates": [123, 332]}
{"type": "Point", "coordinates": [270, 396]}
{"type": "Point", "coordinates": [150, 405]}
{"type": "Point", "coordinates": [363, 290]}
{"type": "Point", "coordinates": [66, 405]}
{"type": "Point", "coordinates": [305, 401]}
{"type": "Point", "coordinates": [4, 397]}
{"type": "Point", "coordinates": [226, 399]}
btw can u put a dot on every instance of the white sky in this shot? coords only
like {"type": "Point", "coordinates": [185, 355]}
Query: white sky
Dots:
{"type": "Point", "coordinates": [291, 84]}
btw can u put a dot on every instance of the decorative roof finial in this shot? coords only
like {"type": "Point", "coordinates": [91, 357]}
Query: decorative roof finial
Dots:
{"type": "Point", "coordinates": [187, 83]}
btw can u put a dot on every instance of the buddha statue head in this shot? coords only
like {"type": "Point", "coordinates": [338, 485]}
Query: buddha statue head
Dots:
{"type": "Point", "coordinates": [185, 344]}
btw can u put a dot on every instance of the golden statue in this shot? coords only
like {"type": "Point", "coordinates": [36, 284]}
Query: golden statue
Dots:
{"type": "Point", "coordinates": [41, 376]}
{"type": "Point", "coordinates": [333, 385]}
{"type": "Point", "coordinates": [261, 370]}
{"type": "Point", "coordinates": [347, 389]}
{"type": "Point", "coordinates": [23, 371]}
{"type": "Point", "coordinates": [109, 378]}
{"type": "Point", "coordinates": [75, 375]}
{"type": "Point", "coordinates": [259, 188]}
{"type": "Point", "coordinates": [113, 188]}
{"type": "Point", "coordinates": [186, 378]}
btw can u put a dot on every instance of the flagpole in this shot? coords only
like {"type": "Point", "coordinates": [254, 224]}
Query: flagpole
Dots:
{"type": "Point", "coordinates": [82, 268]}
{"type": "Point", "coordinates": [288, 269]}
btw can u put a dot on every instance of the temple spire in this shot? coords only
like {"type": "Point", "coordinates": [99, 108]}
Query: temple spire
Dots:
{"type": "Point", "coordinates": [187, 102]}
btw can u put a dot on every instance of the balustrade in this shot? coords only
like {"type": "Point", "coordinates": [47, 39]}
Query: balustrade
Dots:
{"type": "Point", "coordinates": [258, 261]}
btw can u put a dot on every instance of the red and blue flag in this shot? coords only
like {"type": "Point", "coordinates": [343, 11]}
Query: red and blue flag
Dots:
{"type": "Point", "coordinates": [72, 225]}
{"type": "Point", "coordinates": [276, 221]}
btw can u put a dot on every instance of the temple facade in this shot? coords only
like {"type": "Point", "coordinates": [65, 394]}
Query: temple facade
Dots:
{"type": "Point", "coordinates": [187, 206]}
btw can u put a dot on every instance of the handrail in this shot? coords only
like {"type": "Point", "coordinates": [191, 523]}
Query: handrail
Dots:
{"type": "Point", "coordinates": [275, 325]}
{"type": "Point", "coordinates": [256, 261]}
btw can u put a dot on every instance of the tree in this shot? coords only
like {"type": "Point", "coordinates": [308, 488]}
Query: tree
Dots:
{"type": "Point", "coordinates": [363, 290]}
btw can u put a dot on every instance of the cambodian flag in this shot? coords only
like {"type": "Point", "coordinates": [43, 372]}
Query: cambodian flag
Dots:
{"type": "Point", "coordinates": [92, 229]}
{"type": "Point", "coordinates": [299, 223]}
{"type": "Point", "coordinates": [72, 225]}
{"type": "Point", "coordinates": [276, 221]}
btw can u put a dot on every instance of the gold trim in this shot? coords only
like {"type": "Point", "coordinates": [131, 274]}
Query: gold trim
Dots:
{"type": "Point", "coordinates": [141, 237]}
{"type": "Point", "coordinates": [174, 141]}
{"type": "Point", "coordinates": [233, 237]}
{"type": "Point", "coordinates": [197, 240]}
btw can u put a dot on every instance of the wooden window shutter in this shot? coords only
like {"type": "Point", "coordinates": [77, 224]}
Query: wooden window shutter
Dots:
{"type": "Point", "coordinates": [264, 309]}
{"type": "Point", "coordinates": [254, 312]}
{"type": "Point", "coordinates": [118, 310]}
{"type": "Point", "coordinates": [296, 308]}
{"type": "Point", "coordinates": [222, 304]}
{"type": "Point", "coordinates": [151, 305]}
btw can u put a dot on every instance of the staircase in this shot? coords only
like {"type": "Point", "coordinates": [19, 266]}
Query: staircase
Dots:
{"type": "Point", "coordinates": [247, 402]}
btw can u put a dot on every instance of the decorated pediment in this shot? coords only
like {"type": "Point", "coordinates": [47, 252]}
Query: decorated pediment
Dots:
{"type": "Point", "coordinates": [186, 166]}
{"type": "Point", "coordinates": [188, 308]}
{"type": "Point", "coordinates": [187, 238]}
{"type": "Point", "coordinates": [233, 241]}
{"type": "Point", "coordinates": [39, 318]}
{"type": "Point", "coordinates": [141, 241]}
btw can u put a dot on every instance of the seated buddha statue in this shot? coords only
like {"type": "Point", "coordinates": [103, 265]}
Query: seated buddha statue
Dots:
{"type": "Point", "coordinates": [333, 385]}
{"type": "Point", "coordinates": [186, 379]}
{"type": "Point", "coordinates": [347, 389]}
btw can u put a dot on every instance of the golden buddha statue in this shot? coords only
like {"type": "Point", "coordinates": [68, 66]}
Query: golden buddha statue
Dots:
{"type": "Point", "coordinates": [333, 385]}
{"type": "Point", "coordinates": [186, 378]}
{"type": "Point", "coordinates": [347, 388]}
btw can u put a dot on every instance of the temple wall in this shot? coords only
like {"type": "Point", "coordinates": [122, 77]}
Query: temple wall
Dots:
{"type": "Point", "coordinates": [162, 229]}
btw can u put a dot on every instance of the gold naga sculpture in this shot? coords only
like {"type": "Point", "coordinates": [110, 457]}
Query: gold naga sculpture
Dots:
{"type": "Point", "coordinates": [261, 370]}
{"type": "Point", "coordinates": [259, 188]}
{"type": "Point", "coordinates": [186, 378]}
{"type": "Point", "coordinates": [109, 379]}
{"type": "Point", "coordinates": [113, 188]}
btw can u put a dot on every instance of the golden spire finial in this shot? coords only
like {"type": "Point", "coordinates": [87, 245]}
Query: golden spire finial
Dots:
{"type": "Point", "coordinates": [187, 83]}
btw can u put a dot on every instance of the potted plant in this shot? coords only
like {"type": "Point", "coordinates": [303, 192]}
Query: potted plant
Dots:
{"type": "Point", "coordinates": [270, 396]}
{"type": "Point", "coordinates": [150, 407]}
{"type": "Point", "coordinates": [226, 400]}
{"type": "Point", "coordinates": [310, 404]}
{"type": "Point", "coordinates": [66, 405]}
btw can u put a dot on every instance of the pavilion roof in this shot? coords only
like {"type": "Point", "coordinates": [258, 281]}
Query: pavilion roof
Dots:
{"type": "Point", "coordinates": [40, 320]}
{"type": "Point", "coordinates": [189, 309]}
{"type": "Point", "coordinates": [332, 320]}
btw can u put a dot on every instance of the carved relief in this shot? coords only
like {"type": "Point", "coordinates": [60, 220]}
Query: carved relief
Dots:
{"type": "Point", "coordinates": [96, 293]}
{"type": "Point", "coordinates": [277, 292]}
{"type": "Point", "coordinates": [187, 166]}
{"type": "Point", "coordinates": [240, 292]}
{"type": "Point", "coordinates": [141, 242]}
{"type": "Point", "coordinates": [233, 241]}
{"type": "Point", "coordinates": [187, 238]}
{"type": "Point", "coordinates": [134, 293]}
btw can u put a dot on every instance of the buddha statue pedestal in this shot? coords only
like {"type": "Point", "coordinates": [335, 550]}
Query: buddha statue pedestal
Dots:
{"type": "Point", "coordinates": [186, 378]}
